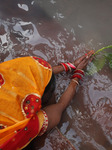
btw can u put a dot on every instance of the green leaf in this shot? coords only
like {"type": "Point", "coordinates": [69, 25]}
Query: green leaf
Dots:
{"type": "Point", "coordinates": [100, 60]}
{"type": "Point", "coordinates": [109, 58]}
{"type": "Point", "coordinates": [110, 64]}
{"type": "Point", "coordinates": [96, 65]}
{"type": "Point", "coordinates": [107, 47]}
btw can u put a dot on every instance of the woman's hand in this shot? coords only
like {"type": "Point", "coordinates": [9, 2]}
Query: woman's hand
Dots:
{"type": "Point", "coordinates": [83, 59]}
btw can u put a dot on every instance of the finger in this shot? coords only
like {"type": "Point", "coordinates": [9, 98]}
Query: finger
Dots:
{"type": "Point", "coordinates": [87, 61]}
{"type": "Point", "coordinates": [91, 52]}
{"type": "Point", "coordinates": [89, 55]}
{"type": "Point", "coordinates": [91, 59]}
{"type": "Point", "coordinates": [82, 57]}
{"type": "Point", "coordinates": [86, 55]}
{"type": "Point", "coordinates": [85, 58]}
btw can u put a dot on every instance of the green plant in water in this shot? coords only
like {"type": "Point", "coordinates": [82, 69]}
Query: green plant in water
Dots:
{"type": "Point", "coordinates": [107, 47]}
{"type": "Point", "coordinates": [109, 59]}
{"type": "Point", "coordinates": [100, 59]}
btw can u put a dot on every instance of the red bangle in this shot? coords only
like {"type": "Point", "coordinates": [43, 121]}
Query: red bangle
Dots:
{"type": "Point", "coordinates": [68, 66]}
{"type": "Point", "coordinates": [79, 71]}
{"type": "Point", "coordinates": [71, 65]}
{"type": "Point", "coordinates": [64, 66]}
{"type": "Point", "coordinates": [77, 76]}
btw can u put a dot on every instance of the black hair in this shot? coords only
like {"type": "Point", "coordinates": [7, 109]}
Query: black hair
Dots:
{"type": "Point", "coordinates": [48, 91]}
{"type": "Point", "coordinates": [51, 85]}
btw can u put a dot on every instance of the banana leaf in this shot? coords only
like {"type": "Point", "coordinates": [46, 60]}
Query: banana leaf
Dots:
{"type": "Point", "coordinates": [110, 64]}
{"type": "Point", "coordinates": [100, 60]}
{"type": "Point", "coordinates": [96, 65]}
{"type": "Point", "coordinates": [109, 59]}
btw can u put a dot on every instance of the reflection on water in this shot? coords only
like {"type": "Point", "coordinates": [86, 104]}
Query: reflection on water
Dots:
{"type": "Point", "coordinates": [91, 115]}
{"type": "Point", "coordinates": [23, 6]}
{"type": "Point", "coordinates": [16, 31]}
{"type": "Point", "coordinates": [60, 31]}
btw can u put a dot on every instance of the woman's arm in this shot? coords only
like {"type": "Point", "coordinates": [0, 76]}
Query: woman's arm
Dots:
{"type": "Point", "coordinates": [57, 69]}
{"type": "Point", "coordinates": [54, 111]}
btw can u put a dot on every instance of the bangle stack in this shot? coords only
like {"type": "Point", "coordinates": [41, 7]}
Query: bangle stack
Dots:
{"type": "Point", "coordinates": [78, 74]}
{"type": "Point", "coordinates": [68, 66]}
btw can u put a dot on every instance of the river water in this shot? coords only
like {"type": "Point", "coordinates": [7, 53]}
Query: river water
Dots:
{"type": "Point", "coordinates": [62, 30]}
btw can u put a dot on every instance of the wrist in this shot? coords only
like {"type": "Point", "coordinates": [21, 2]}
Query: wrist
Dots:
{"type": "Point", "coordinates": [61, 68]}
{"type": "Point", "coordinates": [57, 69]}
{"type": "Point", "coordinates": [68, 67]}
{"type": "Point", "coordinates": [75, 81]}
{"type": "Point", "coordinates": [78, 73]}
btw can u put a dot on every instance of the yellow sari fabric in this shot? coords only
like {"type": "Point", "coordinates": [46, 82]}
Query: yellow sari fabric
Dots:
{"type": "Point", "coordinates": [22, 84]}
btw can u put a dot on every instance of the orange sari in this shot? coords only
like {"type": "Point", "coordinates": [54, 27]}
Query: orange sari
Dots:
{"type": "Point", "coordinates": [22, 84]}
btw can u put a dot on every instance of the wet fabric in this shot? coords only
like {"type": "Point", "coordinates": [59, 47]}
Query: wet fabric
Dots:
{"type": "Point", "coordinates": [22, 84]}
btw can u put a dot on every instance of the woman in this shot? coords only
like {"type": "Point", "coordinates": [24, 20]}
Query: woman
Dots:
{"type": "Point", "coordinates": [22, 85]}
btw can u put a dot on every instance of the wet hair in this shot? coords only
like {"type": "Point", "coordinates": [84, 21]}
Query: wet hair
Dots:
{"type": "Point", "coordinates": [48, 91]}
{"type": "Point", "coordinates": [51, 85]}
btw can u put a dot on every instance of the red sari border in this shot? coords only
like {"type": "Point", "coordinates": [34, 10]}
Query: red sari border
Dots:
{"type": "Point", "coordinates": [23, 136]}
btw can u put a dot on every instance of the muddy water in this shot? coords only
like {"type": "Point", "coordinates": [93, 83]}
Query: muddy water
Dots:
{"type": "Point", "coordinates": [59, 31]}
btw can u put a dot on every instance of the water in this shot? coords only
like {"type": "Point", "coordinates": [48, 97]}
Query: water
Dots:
{"type": "Point", "coordinates": [60, 31]}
